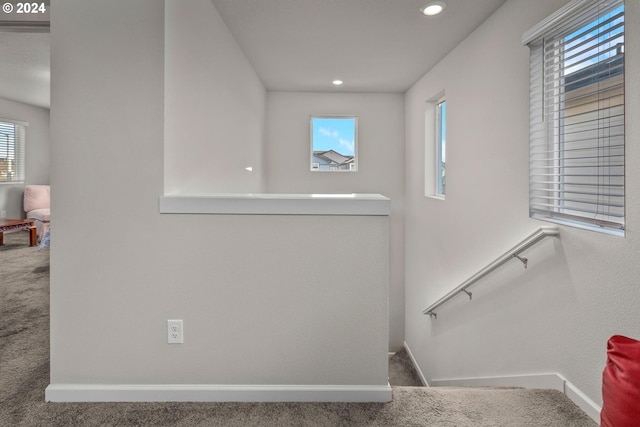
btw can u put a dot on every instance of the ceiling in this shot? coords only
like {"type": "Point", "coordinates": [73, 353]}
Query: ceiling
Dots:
{"type": "Point", "coordinates": [298, 45]}
{"type": "Point", "coordinates": [25, 69]}
{"type": "Point", "coordinates": [372, 45]}
{"type": "Point", "coordinates": [24, 49]}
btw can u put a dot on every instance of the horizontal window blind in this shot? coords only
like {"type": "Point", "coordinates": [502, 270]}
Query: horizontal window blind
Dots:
{"type": "Point", "coordinates": [12, 150]}
{"type": "Point", "coordinates": [577, 145]}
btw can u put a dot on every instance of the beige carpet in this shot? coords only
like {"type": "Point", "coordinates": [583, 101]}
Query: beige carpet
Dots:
{"type": "Point", "coordinates": [402, 372]}
{"type": "Point", "coordinates": [24, 374]}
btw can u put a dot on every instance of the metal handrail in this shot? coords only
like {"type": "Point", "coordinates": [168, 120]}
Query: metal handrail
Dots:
{"type": "Point", "coordinates": [514, 252]}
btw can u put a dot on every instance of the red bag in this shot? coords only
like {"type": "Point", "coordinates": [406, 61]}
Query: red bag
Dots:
{"type": "Point", "coordinates": [621, 384]}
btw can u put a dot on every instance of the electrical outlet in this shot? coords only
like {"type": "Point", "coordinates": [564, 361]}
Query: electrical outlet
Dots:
{"type": "Point", "coordinates": [175, 331]}
{"type": "Point", "coordinates": [3, 214]}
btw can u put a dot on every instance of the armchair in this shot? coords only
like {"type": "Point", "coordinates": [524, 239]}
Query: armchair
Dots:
{"type": "Point", "coordinates": [37, 206]}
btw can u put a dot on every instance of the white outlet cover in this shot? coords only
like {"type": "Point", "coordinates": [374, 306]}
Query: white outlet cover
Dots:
{"type": "Point", "coordinates": [175, 331]}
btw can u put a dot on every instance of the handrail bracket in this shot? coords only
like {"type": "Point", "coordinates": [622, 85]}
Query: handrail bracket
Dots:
{"type": "Point", "coordinates": [523, 260]}
{"type": "Point", "coordinates": [467, 292]}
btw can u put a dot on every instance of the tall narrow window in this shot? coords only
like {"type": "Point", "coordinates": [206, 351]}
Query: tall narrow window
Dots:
{"type": "Point", "coordinates": [435, 136]}
{"type": "Point", "coordinates": [441, 144]}
{"type": "Point", "coordinates": [12, 135]}
{"type": "Point", "coordinates": [577, 140]}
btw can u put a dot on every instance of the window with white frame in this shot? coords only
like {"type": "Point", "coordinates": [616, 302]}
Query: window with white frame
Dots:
{"type": "Point", "coordinates": [577, 143]}
{"type": "Point", "coordinates": [12, 146]}
{"type": "Point", "coordinates": [435, 136]}
{"type": "Point", "coordinates": [441, 144]}
{"type": "Point", "coordinates": [334, 143]}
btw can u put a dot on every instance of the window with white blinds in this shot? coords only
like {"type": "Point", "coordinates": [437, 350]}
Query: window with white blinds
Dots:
{"type": "Point", "coordinates": [576, 159]}
{"type": "Point", "coordinates": [12, 145]}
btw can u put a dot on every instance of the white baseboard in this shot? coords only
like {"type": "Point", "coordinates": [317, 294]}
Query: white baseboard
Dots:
{"type": "Point", "coordinates": [546, 381]}
{"type": "Point", "coordinates": [415, 365]}
{"type": "Point", "coordinates": [582, 400]}
{"type": "Point", "coordinates": [215, 393]}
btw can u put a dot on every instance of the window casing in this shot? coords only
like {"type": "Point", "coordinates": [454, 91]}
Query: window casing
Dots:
{"type": "Point", "coordinates": [12, 149]}
{"type": "Point", "coordinates": [576, 170]}
{"type": "Point", "coordinates": [441, 132]}
{"type": "Point", "coordinates": [334, 143]}
{"type": "Point", "coordinates": [435, 118]}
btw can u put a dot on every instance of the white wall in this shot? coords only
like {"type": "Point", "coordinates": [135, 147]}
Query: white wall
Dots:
{"type": "Point", "coordinates": [380, 163]}
{"type": "Point", "coordinates": [557, 315]}
{"type": "Point", "coordinates": [214, 106]}
{"type": "Point", "coordinates": [253, 313]}
{"type": "Point", "coordinates": [37, 153]}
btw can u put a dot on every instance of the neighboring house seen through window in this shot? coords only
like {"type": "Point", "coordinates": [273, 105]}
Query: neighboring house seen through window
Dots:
{"type": "Point", "coordinates": [577, 154]}
{"type": "Point", "coordinates": [334, 142]}
{"type": "Point", "coordinates": [12, 141]}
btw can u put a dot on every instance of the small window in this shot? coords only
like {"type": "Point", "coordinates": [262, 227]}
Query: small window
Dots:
{"type": "Point", "coordinates": [441, 144]}
{"type": "Point", "coordinates": [334, 141]}
{"type": "Point", "coordinates": [577, 120]}
{"type": "Point", "coordinates": [435, 147]}
{"type": "Point", "coordinates": [12, 135]}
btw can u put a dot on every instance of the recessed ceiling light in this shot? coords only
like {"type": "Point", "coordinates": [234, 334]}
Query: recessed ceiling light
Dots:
{"type": "Point", "coordinates": [433, 8]}
{"type": "Point", "coordinates": [337, 82]}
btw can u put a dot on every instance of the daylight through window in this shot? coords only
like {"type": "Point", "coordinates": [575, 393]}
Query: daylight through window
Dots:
{"type": "Point", "coordinates": [577, 163]}
{"type": "Point", "coordinates": [11, 152]}
{"type": "Point", "coordinates": [441, 144]}
{"type": "Point", "coordinates": [334, 142]}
